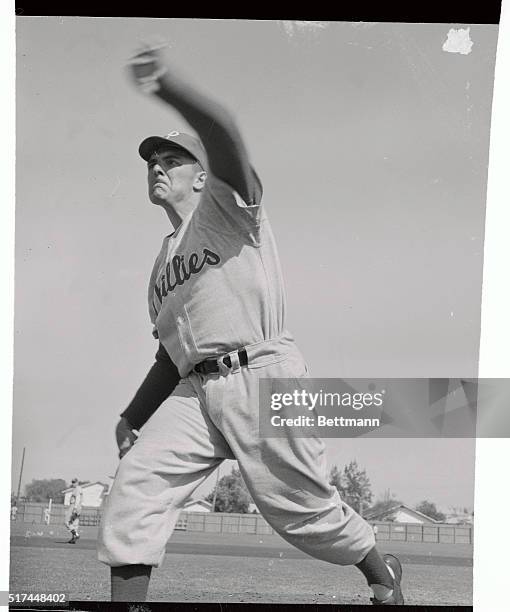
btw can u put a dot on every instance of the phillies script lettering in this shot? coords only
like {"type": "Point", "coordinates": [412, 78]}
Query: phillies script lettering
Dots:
{"type": "Point", "coordinates": [177, 272]}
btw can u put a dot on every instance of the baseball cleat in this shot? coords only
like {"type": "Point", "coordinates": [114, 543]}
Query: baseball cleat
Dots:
{"type": "Point", "coordinates": [396, 598]}
{"type": "Point", "coordinates": [71, 541]}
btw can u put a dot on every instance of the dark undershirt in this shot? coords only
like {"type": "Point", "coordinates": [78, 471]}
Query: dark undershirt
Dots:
{"type": "Point", "coordinates": [157, 386]}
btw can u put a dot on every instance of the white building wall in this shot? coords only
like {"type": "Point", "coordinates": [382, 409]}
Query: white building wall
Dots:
{"type": "Point", "coordinates": [402, 516]}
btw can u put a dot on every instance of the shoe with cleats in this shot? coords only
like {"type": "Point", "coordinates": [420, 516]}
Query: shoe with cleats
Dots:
{"type": "Point", "coordinates": [396, 598]}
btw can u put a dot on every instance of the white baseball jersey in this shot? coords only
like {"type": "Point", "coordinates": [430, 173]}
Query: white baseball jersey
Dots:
{"type": "Point", "coordinates": [75, 500]}
{"type": "Point", "coordinates": [217, 283]}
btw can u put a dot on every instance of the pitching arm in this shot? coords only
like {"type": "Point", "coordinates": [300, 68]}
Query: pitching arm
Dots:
{"type": "Point", "coordinates": [226, 151]}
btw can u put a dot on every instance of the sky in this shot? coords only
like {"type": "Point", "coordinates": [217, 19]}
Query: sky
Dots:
{"type": "Point", "coordinates": [372, 145]}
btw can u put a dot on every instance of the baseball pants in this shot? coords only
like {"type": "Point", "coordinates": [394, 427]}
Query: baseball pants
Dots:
{"type": "Point", "coordinates": [209, 418]}
{"type": "Point", "coordinates": [72, 525]}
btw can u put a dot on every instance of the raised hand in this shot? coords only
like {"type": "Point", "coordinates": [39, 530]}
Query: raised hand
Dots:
{"type": "Point", "coordinates": [147, 66]}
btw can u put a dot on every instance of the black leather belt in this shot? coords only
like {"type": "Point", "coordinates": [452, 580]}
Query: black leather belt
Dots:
{"type": "Point", "coordinates": [211, 366]}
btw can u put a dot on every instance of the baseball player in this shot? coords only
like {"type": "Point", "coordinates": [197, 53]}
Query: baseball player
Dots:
{"type": "Point", "coordinates": [72, 519]}
{"type": "Point", "coordinates": [217, 303]}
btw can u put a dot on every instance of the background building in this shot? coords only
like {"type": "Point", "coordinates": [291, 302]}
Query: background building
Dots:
{"type": "Point", "coordinates": [400, 514]}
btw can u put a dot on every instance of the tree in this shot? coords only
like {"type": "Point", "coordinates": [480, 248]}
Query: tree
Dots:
{"type": "Point", "coordinates": [335, 477]}
{"type": "Point", "coordinates": [231, 494]}
{"type": "Point", "coordinates": [429, 509]}
{"type": "Point", "coordinates": [353, 485]}
{"type": "Point", "coordinates": [44, 490]}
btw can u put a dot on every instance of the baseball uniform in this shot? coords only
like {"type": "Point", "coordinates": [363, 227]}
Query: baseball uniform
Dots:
{"type": "Point", "coordinates": [217, 287]}
{"type": "Point", "coordinates": [72, 518]}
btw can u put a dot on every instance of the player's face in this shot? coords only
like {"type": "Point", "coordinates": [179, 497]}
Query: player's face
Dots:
{"type": "Point", "coordinates": [171, 176]}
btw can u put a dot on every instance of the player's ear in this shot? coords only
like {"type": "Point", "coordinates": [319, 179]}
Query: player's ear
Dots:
{"type": "Point", "coordinates": [199, 181]}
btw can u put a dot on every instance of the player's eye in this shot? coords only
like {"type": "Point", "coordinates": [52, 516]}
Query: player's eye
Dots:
{"type": "Point", "coordinates": [166, 162]}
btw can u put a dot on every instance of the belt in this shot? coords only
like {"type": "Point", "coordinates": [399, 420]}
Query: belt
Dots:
{"type": "Point", "coordinates": [211, 366]}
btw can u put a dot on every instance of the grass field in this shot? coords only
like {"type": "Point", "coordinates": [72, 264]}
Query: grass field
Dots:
{"type": "Point", "coordinates": [218, 567]}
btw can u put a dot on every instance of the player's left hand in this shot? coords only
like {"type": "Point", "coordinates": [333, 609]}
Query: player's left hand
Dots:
{"type": "Point", "coordinates": [147, 66]}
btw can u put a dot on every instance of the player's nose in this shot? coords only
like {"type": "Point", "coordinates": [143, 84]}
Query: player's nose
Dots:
{"type": "Point", "coordinates": [157, 169]}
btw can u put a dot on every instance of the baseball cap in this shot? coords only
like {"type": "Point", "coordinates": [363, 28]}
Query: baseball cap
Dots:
{"type": "Point", "coordinates": [189, 143]}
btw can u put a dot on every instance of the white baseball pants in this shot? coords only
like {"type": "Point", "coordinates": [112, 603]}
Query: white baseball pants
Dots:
{"type": "Point", "coordinates": [213, 417]}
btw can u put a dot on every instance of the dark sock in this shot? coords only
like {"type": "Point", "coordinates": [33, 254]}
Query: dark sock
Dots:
{"type": "Point", "coordinates": [375, 570]}
{"type": "Point", "coordinates": [130, 582]}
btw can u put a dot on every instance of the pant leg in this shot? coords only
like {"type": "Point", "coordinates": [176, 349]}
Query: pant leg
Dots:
{"type": "Point", "coordinates": [67, 519]}
{"type": "Point", "coordinates": [287, 476]}
{"type": "Point", "coordinates": [177, 449]}
{"type": "Point", "coordinates": [75, 524]}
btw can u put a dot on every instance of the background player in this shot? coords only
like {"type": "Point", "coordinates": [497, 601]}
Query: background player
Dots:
{"type": "Point", "coordinates": [217, 304]}
{"type": "Point", "coordinates": [72, 518]}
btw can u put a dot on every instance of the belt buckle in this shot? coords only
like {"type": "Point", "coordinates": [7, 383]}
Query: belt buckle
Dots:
{"type": "Point", "coordinates": [234, 366]}
{"type": "Point", "coordinates": [223, 368]}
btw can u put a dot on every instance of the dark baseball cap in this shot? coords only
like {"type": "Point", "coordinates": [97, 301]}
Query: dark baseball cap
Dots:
{"type": "Point", "coordinates": [190, 144]}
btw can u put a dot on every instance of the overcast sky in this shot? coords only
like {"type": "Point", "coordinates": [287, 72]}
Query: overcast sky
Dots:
{"type": "Point", "coordinates": [372, 145]}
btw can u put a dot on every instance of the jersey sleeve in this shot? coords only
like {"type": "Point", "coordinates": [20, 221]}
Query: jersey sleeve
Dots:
{"type": "Point", "coordinates": [222, 207]}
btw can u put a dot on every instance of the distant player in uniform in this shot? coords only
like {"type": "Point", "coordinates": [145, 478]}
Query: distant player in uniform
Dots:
{"type": "Point", "coordinates": [72, 518]}
{"type": "Point", "coordinates": [217, 303]}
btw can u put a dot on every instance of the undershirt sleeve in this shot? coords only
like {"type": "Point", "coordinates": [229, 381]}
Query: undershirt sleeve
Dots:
{"type": "Point", "coordinates": [157, 386]}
